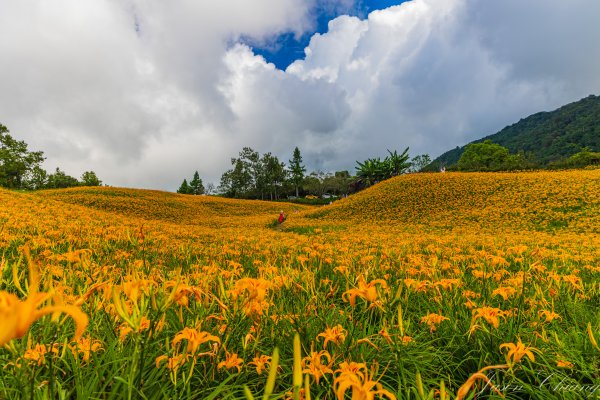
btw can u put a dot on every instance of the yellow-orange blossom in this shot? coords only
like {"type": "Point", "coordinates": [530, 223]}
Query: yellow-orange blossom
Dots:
{"type": "Point", "coordinates": [17, 315]}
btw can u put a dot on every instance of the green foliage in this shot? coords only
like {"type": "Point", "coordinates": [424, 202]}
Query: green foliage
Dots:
{"type": "Point", "coordinates": [370, 171]}
{"type": "Point", "coordinates": [418, 163]}
{"type": "Point", "coordinates": [60, 180]}
{"type": "Point", "coordinates": [266, 178]}
{"type": "Point", "coordinates": [317, 201]}
{"type": "Point", "coordinates": [273, 174]}
{"type": "Point", "coordinates": [89, 178]}
{"type": "Point", "coordinates": [253, 176]}
{"type": "Point", "coordinates": [313, 183]}
{"type": "Point", "coordinates": [196, 185]}
{"type": "Point", "coordinates": [20, 168]}
{"type": "Point", "coordinates": [340, 183]}
{"type": "Point", "coordinates": [486, 156]}
{"type": "Point", "coordinates": [184, 188]}
{"type": "Point", "coordinates": [319, 183]}
{"type": "Point", "coordinates": [396, 164]}
{"type": "Point", "coordinates": [297, 170]}
{"type": "Point", "coordinates": [547, 136]}
{"type": "Point", "coordinates": [244, 178]}
{"type": "Point", "coordinates": [38, 179]}
{"type": "Point", "coordinates": [375, 170]}
{"type": "Point", "coordinates": [582, 159]}
{"type": "Point", "coordinates": [237, 181]}
{"type": "Point", "coordinates": [16, 162]}
{"type": "Point", "coordinates": [253, 167]}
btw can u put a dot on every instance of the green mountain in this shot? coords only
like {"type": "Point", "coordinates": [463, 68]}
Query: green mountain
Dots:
{"type": "Point", "coordinates": [548, 136]}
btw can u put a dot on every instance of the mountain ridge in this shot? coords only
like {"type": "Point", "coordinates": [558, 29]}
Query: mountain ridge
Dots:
{"type": "Point", "coordinates": [547, 135]}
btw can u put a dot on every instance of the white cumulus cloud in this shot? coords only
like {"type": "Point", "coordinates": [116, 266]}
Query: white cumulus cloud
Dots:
{"type": "Point", "coordinates": [146, 92]}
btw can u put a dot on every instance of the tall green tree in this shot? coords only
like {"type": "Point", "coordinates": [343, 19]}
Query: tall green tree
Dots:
{"type": "Point", "coordinates": [184, 188]}
{"type": "Point", "coordinates": [16, 162]}
{"type": "Point", "coordinates": [484, 156]}
{"type": "Point", "coordinates": [246, 178]}
{"type": "Point", "coordinates": [254, 168]}
{"type": "Point", "coordinates": [38, 178]}
{"type": "Point", "coordinates": [297, 170]}
{"type": "Point", "coordinates": [196, 185]}
{"type": "Point", "coordinates": [253, 176]}
{"type": "Point", "coordinates": [236, 182]}
{"type": "Point", "coordinates": [89, 178]}
{"type": "Point", "coordinates": [60, 180]}
{"type": "Point", "coordinates": [274, 173]}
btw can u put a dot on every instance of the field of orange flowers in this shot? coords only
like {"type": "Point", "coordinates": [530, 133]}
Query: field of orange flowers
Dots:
{"type": "Point", "coordinates": [426, 286]}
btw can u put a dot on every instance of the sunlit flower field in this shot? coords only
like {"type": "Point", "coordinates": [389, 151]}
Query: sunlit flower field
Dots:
{"type": "Point", "coordinates": [426, 286]}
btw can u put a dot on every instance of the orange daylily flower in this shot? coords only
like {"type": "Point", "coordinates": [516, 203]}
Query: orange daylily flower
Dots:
{"type": "Point", "coordinates": [367, 291]}
{"type": "Point", "coordinates": [254, 293]}
{"type": "Point", "coordinates": [194, 339]}
{"type": "Point", "coordinates": [505, 292]}
{"type": "Point", "coordinates": [231, 361]}
{"type": "Point", "coordinates": [313, 364]}
{"type": "Point", "coordinates": [37, 353]}
{"type": "Point", "coordinates": [564, 364]}
{"type": "Point", "coordinates": [490, 314]}
{"type": "Point", "coordinates": [355, 377]}
{"type": "Point", "coordinates": [125, 329]}
{"type": "Point", "coordinates": [336, 335]}
{"type": "Point", "coordinates": [433, 320]}
{"type": "Point", "coordinates": [17, 315]}
{"type": "Point", "coordinates": [518, 351]}
{"type": "Point", "coordinates": [173, 363]}
{"type": "Point", "coordinates": [261, 363]}
{"type": "Point", "coordinates": [85, 347]}
{"type": "Point", "coordinates": [549, 315]}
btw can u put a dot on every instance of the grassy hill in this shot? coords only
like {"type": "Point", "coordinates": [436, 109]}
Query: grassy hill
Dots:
{"type": "Point", "coordinates": [170, 207]}
{"type": "Point", "coordinates": [544, 201]}
{"type": "Point", "coordinates": [549, 136]}
{"type": "Point", "coordinates": [526, 200]}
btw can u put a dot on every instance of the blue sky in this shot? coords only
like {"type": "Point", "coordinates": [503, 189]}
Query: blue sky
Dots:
{"type": "Point", "coordinates": [288, 47]}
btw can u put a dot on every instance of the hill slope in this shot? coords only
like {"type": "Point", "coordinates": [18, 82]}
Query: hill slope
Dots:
{"type": "Point", "coordinates": [170, 207]}
{"type": "Point", "coordinates": [550, 136]}
{"type": "Point", "coordinates": [566, 200]}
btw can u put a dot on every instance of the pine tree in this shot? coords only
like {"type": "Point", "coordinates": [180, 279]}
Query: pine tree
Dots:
{"type": "Point", "coordinates": [297, 170]}
{"type": "Point", "coordinates": [184, 188]}
{"type": "Point", "coordinates": [196, 186]}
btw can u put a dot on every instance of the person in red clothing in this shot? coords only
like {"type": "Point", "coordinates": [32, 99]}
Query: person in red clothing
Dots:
{"type": "Point", "coordinates": [281, 217]}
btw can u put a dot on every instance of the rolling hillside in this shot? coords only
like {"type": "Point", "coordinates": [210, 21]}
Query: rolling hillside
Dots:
{"type": "Point", "coordinates": [549, 136]}
{"type": "Point", "coordinates": [426, 276]}
{"type": "Point", "coordinates": [170, 207]}
{"type": "Point", "coordinates": [528, 200]}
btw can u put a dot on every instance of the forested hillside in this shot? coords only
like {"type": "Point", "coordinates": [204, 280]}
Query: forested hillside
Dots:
{"type": "Point", "coordinates": [548, 136]}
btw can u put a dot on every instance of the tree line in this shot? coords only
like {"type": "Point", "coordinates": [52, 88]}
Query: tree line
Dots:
{"type": "Point", "coordinates": [21, 168]}
{"type": "Point", "coordinates": [265, 177]}
{"type": "Point", "coordinates": [490, 156]}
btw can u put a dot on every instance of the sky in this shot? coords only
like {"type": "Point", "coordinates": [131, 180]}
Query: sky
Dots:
{"type": "Point", "coordinates": [145, 92]}
{"type": "Point", "coordinates": [287, 47]}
